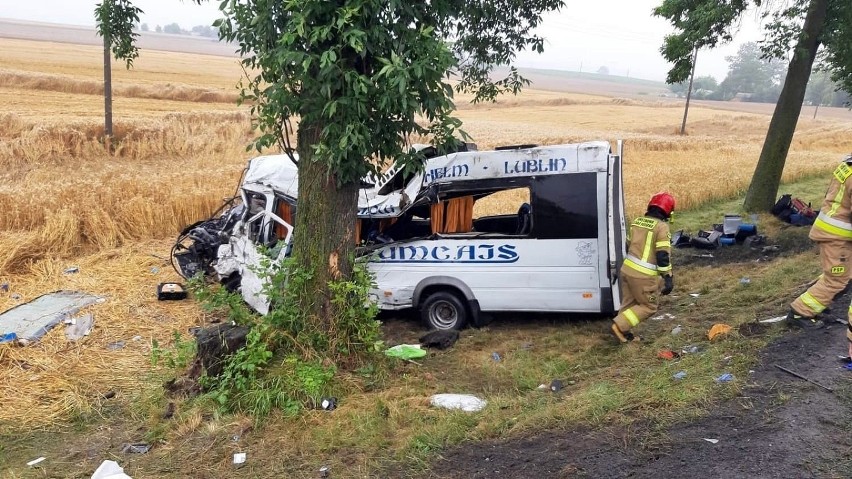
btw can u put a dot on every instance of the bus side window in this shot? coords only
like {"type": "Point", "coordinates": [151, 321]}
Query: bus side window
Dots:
{"type": "Point", "coordinates": [506, 211]}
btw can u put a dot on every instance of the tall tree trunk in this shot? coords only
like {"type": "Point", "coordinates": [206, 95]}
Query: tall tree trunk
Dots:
{"type": "Point", "coordinates": [107, 93]}
{"type": "Point", "coordinates": [324, 240]}
{"type": "Point", "coordinates": [689, 92]}
{"type": "Point", "coordinates": [767, 175]}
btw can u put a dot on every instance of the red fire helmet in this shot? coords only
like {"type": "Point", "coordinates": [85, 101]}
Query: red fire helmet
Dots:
{"type": "Point", "coordinates": [664, 201]}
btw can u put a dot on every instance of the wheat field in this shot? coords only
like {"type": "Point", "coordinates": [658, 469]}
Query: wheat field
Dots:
{"type": "Point", "coordinates": [179, 149]}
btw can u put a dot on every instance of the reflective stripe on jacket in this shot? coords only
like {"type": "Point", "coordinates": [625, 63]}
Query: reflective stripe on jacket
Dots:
{"type": "Point", "coordinates": [835, 214]}
{"type": "Point", "coordinates": [647, 236]}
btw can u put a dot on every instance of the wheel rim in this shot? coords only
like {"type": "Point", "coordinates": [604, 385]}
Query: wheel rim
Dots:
{"type": "Point", "coordinates": [443, 315]}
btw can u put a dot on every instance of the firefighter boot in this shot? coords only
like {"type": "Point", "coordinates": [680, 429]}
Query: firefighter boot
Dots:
{"type": "Point", "coordinates": [803, 322]}
{"type": "Point", "coordinates": [624, 337]}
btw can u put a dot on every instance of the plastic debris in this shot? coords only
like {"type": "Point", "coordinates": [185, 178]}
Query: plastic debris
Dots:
{"type": "Point", "coordinates": [464, 402]}
{"type": "Point", "coordinates": [239, 457]}
{"type": "Point", "coordinates": [663, 316]}
{"type": "Point", "coordinates": [329, 403]}
{"type": "Point", "coordinates": [80, 327]}
{"type": "Point", "coordinates": [848, 367]}
{"type": "Point", "coordinates": [691, 349]}
{"type": "Point", "coordinates": [667, 354]}
{"type": "Point", "coordinates": [711, 441]}
{"type": "Point", "coordinates": [495, 356]}
{"type": "Point", "coordinates": [155, 270]}
{"type": "Point", "coordinates": [4, 287]}
{"type": "Point", "coordinates": [8, 337]}
{"type": "Point", "coordinates": [137, 448]}
{"type": "Point", "coordinates": [718, 329]}
{"type": "Point", "coordinates": [110, 470]}
{"type": "Point", "coordinates": [115, 346]}
{"type": "Point", "coordinates": [543, 387]}
{"type": "Point", "coordinates": [71, 270]}
{"type": "Point", "coordinates": [324, 472]}
{"type": "Point", "coordinates": [745, 281]}
{"type": "Point", "coordinates": [694, 295]}
{"type": "Point", "coordinates": [556, 385]}
{"type": "Point", "coordinates": [15, 296]}
{"type": "Point", "coordinates": [679, 375]}
{"type": "Point", "coordinates": [171, 292]}
{"type": "Point", "coordinates": [776, 319]}
{"type": "Point", "coordinates": [36, 461]}
{"type": "Point", "coordinates": [725, 378]}
{"type": "Point", "coordinates": [32, 320]}
{"type": "Point", "coordinates": [677, 330]}
{"type": "Point", "coordinates": [406, 351]}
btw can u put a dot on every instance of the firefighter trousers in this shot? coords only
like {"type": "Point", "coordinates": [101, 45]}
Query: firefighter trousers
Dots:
{"type": "Point", "coordinates": [639, 297]}
{"type": "Point", "coordinates": [834, 256]}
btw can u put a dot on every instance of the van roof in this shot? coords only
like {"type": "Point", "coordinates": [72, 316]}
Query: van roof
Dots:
{"type": "Point", "coordinates": [278, 173]}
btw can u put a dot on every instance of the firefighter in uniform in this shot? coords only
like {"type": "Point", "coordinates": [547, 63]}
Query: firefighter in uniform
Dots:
{"type": "Point", "coordinates": [647, 269]}
{"type": "Point", "coordinates": [832, 230]}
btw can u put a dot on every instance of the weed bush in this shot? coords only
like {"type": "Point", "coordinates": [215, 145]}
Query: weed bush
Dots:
{"type": "Point", "coordinates": [290, 361]}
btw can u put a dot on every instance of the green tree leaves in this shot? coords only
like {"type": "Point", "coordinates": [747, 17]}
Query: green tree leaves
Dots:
{"type": "Point", "coordinates": [698, 24]}
{"type": "Point", "coordinates": [115, 20]}
{"type": "Point", "coordinates": [371, 73]}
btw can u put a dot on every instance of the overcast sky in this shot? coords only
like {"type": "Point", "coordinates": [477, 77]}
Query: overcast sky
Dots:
{"type": "Point", "coordinates": [587, 34]}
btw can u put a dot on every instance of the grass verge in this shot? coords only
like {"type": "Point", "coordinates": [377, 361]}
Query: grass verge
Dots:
{"type": "Point", "coordinates": [386, 424]}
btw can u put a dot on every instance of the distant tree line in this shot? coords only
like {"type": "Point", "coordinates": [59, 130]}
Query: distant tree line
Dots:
{"type": "Point", "coordinates": [175, 29]}
{"type": "Point", "coordinates": [752, 78]}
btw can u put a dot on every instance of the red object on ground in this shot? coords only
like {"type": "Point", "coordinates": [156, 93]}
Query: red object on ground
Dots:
{"type": "Point", "coordinates": [666, 354]}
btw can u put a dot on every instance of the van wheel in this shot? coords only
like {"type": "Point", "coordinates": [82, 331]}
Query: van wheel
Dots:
{"type": "Point", "coordinates": [443, 310]}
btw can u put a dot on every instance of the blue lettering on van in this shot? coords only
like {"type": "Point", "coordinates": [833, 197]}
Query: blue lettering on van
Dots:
{"type": "Point", "coordinates": [469, 253]}
{"type": "Point", "coordinates": [454, 171]}
{"type": "Point", "coordinates": [538, 165]}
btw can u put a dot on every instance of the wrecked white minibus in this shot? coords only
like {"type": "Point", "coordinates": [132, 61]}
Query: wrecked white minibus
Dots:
{"type": "Point", "coordinates": [525, 228]}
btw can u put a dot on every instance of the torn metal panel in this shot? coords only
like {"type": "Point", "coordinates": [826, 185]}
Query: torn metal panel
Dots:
{"type": "Point", "coordinates": [30, 321]}
{"type": "Point", "coordinates": [277, 172]}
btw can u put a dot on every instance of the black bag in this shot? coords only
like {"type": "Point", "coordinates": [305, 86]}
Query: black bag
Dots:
{"type": "Point", "coordinates": [783, 203]}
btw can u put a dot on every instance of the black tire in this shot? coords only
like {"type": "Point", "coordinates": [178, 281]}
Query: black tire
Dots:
{"type": "Point", "coordinates": [444, 310]}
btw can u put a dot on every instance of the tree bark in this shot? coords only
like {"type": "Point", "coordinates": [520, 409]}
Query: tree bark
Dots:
{"type": "Point", "coordinates": [689, 92]}
{"type": "Point", "coordinates": [107, 93]}
{"type": "Point", "coordinates": [326, 217]}
{"type": "Point", "coordinates": [767, 175]}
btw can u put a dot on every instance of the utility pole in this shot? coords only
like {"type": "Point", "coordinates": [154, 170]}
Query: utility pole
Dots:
{"type": "Point", "coordinates": [689, 92]}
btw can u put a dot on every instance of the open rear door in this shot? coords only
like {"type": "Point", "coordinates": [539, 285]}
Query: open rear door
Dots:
{"type": "Point", "coordinates": [617, 229]}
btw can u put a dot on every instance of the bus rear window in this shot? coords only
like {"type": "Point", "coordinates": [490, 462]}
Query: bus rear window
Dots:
{"type": "Point", "coordinates": [565, 206]}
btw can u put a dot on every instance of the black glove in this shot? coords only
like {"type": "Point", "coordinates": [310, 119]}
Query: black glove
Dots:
{"type": "Point", "coordinates": [669, 284]}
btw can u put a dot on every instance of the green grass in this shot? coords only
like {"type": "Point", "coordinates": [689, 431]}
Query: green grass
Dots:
{"type": "Point", "coordinates": [388, 425]}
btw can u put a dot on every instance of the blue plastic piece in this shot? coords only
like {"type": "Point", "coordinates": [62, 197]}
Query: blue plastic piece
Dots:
{"type": "Point", "coordinates": [8, 337]}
